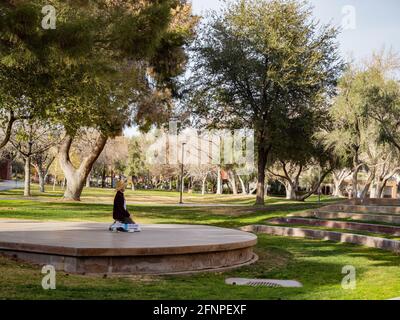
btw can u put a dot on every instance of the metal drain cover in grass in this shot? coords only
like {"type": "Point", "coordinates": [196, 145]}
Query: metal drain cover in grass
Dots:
{"type": "Point", "coordinates": [264, 283]}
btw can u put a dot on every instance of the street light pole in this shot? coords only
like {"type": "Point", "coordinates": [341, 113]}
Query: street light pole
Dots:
{"type": "Point", "coordinates": [182, 179]}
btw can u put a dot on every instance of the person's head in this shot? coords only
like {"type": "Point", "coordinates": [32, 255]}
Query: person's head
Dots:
{"type": "Point", "coordinates": [121, 186]}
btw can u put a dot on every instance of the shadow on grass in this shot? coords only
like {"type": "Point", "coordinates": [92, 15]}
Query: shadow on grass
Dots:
{"type": "Point", "coordinates": [316, 264]}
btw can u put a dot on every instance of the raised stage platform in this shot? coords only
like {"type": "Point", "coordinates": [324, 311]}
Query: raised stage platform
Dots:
{"type": "Point", "coordinates": [89, 248]}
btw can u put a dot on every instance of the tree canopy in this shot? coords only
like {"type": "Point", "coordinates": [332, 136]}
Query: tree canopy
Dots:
{"type": "Point", "coordinates": [263, 64]}
{"type": "Point", "coordinates": [104, 66]}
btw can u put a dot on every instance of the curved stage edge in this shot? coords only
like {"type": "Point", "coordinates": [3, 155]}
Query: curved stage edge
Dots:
{"type": "Point", "coordinates": [88, 248]}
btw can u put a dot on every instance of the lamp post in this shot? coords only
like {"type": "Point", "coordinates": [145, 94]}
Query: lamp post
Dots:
{"type": "Point", "coordinates": [182, 179]}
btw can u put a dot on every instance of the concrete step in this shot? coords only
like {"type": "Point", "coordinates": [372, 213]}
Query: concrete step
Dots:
{"type": "Point", "coordinates": [368, 241]}
{"type": "Point", "coordinates": [374, 202]}
{"type": "Point", "coordinates": [345, 225]}
{"type": "Point", "coordinates": [332, 215]}
{"type": "Point", "coordinates": [362, 209]}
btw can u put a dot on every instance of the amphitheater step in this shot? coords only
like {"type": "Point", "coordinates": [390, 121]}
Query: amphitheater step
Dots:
{"type": "Point", "coordinates": [363, 209]}
{"type": "Point", "coordinates": [345, 225]}
{"type": "Point", "coordinates": [393, 219]}
{"type": "Point", "coordinates": [368, 241]}
{"type": "Point", "coordinates": [374, 202]}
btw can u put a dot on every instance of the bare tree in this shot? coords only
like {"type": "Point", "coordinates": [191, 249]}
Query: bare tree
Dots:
{"type": "Point", "coordinates": [386, 170]}
{"type": "Point", "coordinates": [32, 138]}
{"type": "Point", "coordinates": [42, 163]}
{"type": "Point", "coordinates": [289, 174]}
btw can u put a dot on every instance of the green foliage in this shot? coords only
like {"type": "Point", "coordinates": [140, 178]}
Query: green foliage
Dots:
{"type": "Point", "coordinates": [347, 132]}
{"type": "Point", "coordinates": [381, 102]}
{"type": "Point", "coordinates": [137, 158]}
{"type": "Point", "coordinates": [262, 63]}
{"type": "Point", "coordinates": [268, 66]}
{"type": "Point", "coordinates": [93, 69]}
{"type": "Point", "coordinates": [364, 114]}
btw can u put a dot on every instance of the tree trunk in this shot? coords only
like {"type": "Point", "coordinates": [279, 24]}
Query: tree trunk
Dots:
{"type": "Point", "coordinates": [364, 193]}
{"type": "Point", "coordinates": [381, 188]}
{"type": "Point", "coordinates": [338, 180]}
{"type": "Point", "coordinates": [336, 188]}
{"type": "Point", "coordinates": [243, 186]}
{"type": "Point", "coordinates": [88, 181]}
{"type": "Point", "coordinates": [103, 177]}
{"type": "Point", "coordinates": [290, 191]}
{"type": "Point", "coordinates": [133, 183]}
{"type": "Point", "coordinates": [355, 184]}
{"type": "Point", "coordinates": [42, 181]}
{"type": "Point", "coordinates": [382, 181]}
{"type": "Point", "coordinates": [315, 187]}
{"type": "Point", "coordinates": [232, 181]}
{"type": "Point", "coordinates": [262, 164]}
{"type": "Point", "coordinates": [113, 179]}
{"type": "Point", "coordinates": [27, 183]}
{"type": "Point", "coordinates": [76, 178]}
{"type": "Point", "coordinates": [54, 182]}
{"type": "Point", "coordinates": [262, 156]}
{"type": "Point", "coordinates": [254, 189]}
{"type": "Point", "coordinates": [356, 168]}
{"type": "Point", "coordinates": [190, 185]}
{"type": "Point", "coordinates": [370, 179]}
{"type": "Point", "coordinates": [219, 181]}
{"type": "Point", "coordinates": [42, 168]}
{"type": "Point", "coordinates": [74, 187]}
{"type": "Point", "coordinates": [203, 185]}
{"type": "Point", "coordinates": [260, 184]}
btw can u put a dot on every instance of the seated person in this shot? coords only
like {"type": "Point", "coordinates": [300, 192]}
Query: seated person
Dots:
{"type": "Point", "coordinates": [120, 213]}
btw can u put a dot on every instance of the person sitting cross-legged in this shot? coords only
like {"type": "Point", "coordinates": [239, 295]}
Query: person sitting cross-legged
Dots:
{"type": "Point", "coordinates": [122, 217]}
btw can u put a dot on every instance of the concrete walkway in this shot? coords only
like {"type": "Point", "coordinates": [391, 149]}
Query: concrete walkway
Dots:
{"type": "Point", "coordinates": [10, 184]}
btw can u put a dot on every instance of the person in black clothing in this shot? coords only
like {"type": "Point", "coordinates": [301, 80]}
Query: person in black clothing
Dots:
{"type": "Point", "coordinates": [120, 213]}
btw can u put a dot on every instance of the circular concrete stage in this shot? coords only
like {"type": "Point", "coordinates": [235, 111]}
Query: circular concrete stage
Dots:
{"type": "Point", "coordinates": [89, 248]}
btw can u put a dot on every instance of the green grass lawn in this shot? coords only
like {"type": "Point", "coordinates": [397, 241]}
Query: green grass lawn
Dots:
{"type": "Point", "coordinates": [157, 197]}
{"type": "Point", "coordinates": [317, 264]}
{"type": "Point", "coordinates": [149, 207]}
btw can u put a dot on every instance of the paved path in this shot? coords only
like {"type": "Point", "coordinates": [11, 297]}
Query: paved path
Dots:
{"type": "Point", "coordinates": [9, 185]}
